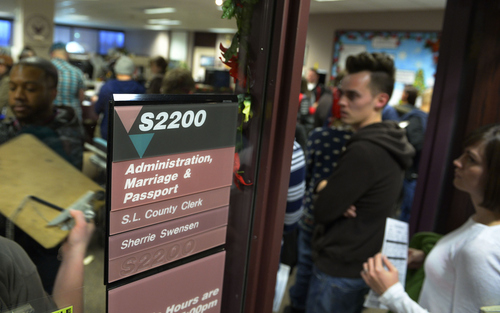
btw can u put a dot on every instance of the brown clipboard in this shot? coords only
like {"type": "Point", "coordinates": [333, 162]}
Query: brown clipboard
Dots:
{"type": "Point", "coordinates": [30, 168]}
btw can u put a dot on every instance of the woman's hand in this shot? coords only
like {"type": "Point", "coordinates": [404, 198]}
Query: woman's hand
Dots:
{"type": "Point", "coordinates": [416, 258]}
{"type": "Point", "coordinates": [376, 276]}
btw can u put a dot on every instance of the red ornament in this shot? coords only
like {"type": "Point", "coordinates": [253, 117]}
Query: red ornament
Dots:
{"type": "Point", "coordinates": [238, 179]}
{"type": "Point", "coordinates": [233, 66]}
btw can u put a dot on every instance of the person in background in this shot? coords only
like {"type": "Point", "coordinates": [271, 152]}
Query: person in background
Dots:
{"type": "Point", "coordinates": [463, 268]}
{"type": "Point", "coordinates": [32, 90]}
{"type": "Point", "coordinates": [414, 121]}
{"type": "Point", "coordinates": [367, 179]}
{"type": "Point", "coordinates": [71, 85]}
{"type": "Point", "coordinates": [20, 282]}
{"type": "Point", "coordinates": [324, 147]}
{"type": "Point", "coordinates": [26, 53]}
{"type": "Point", "coordinates": [389, 114]}
{"type": "Point", "coordinates": [177, 82]}
{"type": "Point", "coordinates": [315, 88]}
{"type": "Point", "coordinates": [296, 188]}
{"type": "Point", "coordinates": [5, 66]}
{"type": "Point", "coordinates": [158, 69]}
{"type": "Point", "coordinates": [304, 115]}
{"type": "Point", "coordinates": [124, 68]}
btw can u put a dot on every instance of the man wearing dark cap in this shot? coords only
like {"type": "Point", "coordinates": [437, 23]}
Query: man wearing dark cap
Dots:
{"type": "Point", "coordinates": [5, 66]}
{"type": "Point", "coordinates": [124, 69]}
{"type": "Point", "coordinates": [71, 85]}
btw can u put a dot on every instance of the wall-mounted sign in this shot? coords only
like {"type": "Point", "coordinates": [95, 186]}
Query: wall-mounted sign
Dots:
{"type": "Point", "coordinates": [192, 287]}
{"type": "Point", "coordinates": [171, 166]}
{"type": "Point", "coordinates": [157, 212]}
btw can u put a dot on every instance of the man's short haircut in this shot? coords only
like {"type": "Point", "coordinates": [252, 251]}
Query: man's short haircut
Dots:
{"type": "Point", "coordinates": [380, 66]}
{"type": "Point", "coordinates": [50, 71]}
{"type": "Point", "coordinates": [412, 94]}
{"type": "Point", "coordinates": [57, 46]}
{"type": "Point", "coordinates": [178, 81]}
{"type": "Point", "coordinates": [490, 136]}
{"type": "Point", "coordinates": [161, 63]}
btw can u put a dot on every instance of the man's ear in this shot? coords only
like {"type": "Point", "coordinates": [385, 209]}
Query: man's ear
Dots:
{"type": "Point", "coordinates": [381, 100]}
{"type": "Point", "coordinates": [53, 93]}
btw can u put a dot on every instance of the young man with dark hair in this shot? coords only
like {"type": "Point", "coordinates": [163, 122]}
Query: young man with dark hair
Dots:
{"type": "Point", "coordinates": [353, 203]}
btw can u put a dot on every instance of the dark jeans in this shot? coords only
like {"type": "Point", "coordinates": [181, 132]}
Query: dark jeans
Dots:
{"type": "Point", "coordinates": [408, 194]}
{"type": "Point", "coordinates": [298, 292]}
{"type": "Point", "coordinates": [329, 294]}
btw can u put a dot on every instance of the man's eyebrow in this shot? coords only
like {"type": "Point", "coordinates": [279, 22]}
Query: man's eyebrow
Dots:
{"type": "Point", "coordinates": [350, 91]}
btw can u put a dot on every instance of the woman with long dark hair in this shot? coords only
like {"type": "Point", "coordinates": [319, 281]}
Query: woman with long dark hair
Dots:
{"type": "Point", "coordinates": [463, 269]}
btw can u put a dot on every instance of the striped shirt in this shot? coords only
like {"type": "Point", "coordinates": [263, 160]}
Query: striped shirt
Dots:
{"type": "Point", "coordinates": [296, 188]}
{"type": "Point", "coordinates": [71, 81]}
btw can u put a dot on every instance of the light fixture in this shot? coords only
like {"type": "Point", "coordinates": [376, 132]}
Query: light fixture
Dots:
{"type": "Point", "coordinates": [164, 21]}
{"type": "Point", "coordinates": [76, 17]}
{"type": "Point", "coordinates": [327, 0]}
{"type": "Point", "coordinates": [222, 30]}
{"type": "Point", "coordinates": [156, 27]}
{"type": "Point", "coordinates": [74, 47]}
{"type": "Point", "coordinates": [159, 10]}
{"type": "Point", "coordinates": [218, 2]}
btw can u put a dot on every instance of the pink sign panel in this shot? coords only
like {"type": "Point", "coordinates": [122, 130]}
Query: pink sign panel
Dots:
{"type": "Point", "coordinates": [158, 212]}
{"type": "Point", "coordinates": [144, 260]}
{"type": "Point", "coordinates": [144, 181]}
{"type": "Point", "coordinates": [153, 236]}
{"type": "Point", "coordinates": [193, 287]}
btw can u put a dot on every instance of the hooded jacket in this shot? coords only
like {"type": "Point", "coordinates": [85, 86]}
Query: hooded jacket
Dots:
{"type": "Point", "coordinates": [369, 175]}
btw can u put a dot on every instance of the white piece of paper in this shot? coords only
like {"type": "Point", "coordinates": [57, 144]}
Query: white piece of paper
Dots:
{"type": "Point", "coordinates": [395, 247]}
{"type": "Point", "coordinates": [281, 282]}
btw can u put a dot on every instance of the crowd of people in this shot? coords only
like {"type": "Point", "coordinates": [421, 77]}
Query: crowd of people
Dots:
{"type": "Point", "coordinates": [362, 167]}
{"type": "Point", "coordinates": [356, 165]}
{"type": "Point", "coordinates": [43, 97]}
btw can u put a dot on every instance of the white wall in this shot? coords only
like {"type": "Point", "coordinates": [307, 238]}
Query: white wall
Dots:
{"type": "Point", "coordinates": [147, 42]}
{"type": "Point", "coordinates": [322, 28]}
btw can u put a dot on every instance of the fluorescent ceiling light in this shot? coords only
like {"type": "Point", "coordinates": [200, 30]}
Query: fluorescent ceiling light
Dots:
{"type": "Point", "coordinates": [159, 10]}
{"type": "Point", "coordinates": [164, 21]}
{"type": "Point", "coordinates": [222, 30]}
{"type": "Point", "coordinates": [66, 11]}
{"type": "Point", "coordinates": [156, 27]}
{"type": "Point", "coordinates": [76, 17]}
{"type": "Point", "coordinates": [74, 47]}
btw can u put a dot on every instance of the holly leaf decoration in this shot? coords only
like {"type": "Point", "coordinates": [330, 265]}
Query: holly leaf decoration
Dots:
{"type": "Point", "coordinates": [228, 9]}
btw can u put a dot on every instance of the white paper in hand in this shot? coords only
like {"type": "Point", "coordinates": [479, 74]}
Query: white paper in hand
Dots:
{"type": "Point", "coordinates": [395, 247]}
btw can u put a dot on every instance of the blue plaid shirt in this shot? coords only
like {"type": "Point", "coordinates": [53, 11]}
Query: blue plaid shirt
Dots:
{"type": "Point", "coordinates": [71, 81]}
